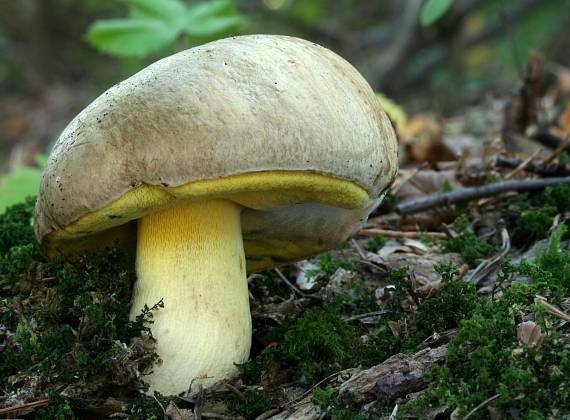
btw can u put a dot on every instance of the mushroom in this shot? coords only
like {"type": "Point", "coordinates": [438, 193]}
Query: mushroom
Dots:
{"type": "Point", "coordinates": [247, 152]}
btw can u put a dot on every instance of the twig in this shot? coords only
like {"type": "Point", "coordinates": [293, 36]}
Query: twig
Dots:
{"type": "Point", "coordinates": [217, 416]}
{"type": "Point", "coordinates": [483, 404]}
{"type": "Point", "coordinates": [295, 401]}
{"type": "Point", "coordinates": [542, 170]}
{"type": "Point", "coordinates": [288, 283]}
{"type": "Point", "coordinates": [433, 288]}
{"type": "Point", "coordinates": [400, 234]}
{"type": "Point", "coordinates": [366, 315]}
{"type": "Point", "coordinates": [546, 138]}
{"type": "Point", "coordinates": [358, 249]}
{"type": "Point", "coordinates": [236, 392]}
{"type": "Point", "coordinates": [471, 193]}
{"type": "Point", "coordinates": [394, 413]}
{"type": "Point", "coordinates": [375, 265]}
{"type": "Point", "coordinates": [554, 155]}
{"type": "Point", "coordinates": [397, 187]}
{"type": "Point", "coordinates": [160, 404]}
{"type": "Point", "coordinates": [524, 164]}
{"type": "Point", "coordinates": [486, 266]}
{"type": "Point", "coordinates": [520, 168]}
{"type": "Point", "coordinates": [16, 408]}
{"type": "Point", "coordinates": [551, 309]}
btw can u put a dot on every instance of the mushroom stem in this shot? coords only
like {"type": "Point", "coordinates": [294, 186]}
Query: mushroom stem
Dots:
{"type": "Point", "coordinates": [192, 257]}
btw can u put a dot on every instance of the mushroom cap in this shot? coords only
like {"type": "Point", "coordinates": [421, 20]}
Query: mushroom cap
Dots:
{"type": "Point", "coordinates": [281, 126]}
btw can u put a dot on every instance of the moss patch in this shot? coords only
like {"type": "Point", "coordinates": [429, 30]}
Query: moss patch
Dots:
{"type": "Point", "coordinates": [471, 249]}
{"type": "Point", "coordinates": [65, 326]}
{"type": "Point", "coordinates": [487, 360]}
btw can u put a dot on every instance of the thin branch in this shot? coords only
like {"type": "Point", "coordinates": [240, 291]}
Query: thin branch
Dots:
{"type": "Point", "coordinates": [542, 170]}
{"type": "Point", "coordinates": [236, 392]}
{"type": "Point", "coordinates": [551, 309]}
{"type": "Point", "coordinates": [366, 315]}
{"type": "Point", "coordinates": [524, 164]}
{"type": "Point", "coordinates": [288, 283]}
{"type": "Point", "coordinates": [546, 138]}
{"type": "Point", "coordinates": [217, 416]}
{"type": "Point", "coordinates": [401, 234]}
{"type": "Point", "coordinates": [472, 193]}
{"type": "Point", "coordinates": [488, 265]}
{"type": "Point", "coordinates": [358, 248]}
{"type": "Point", "coordinates": [483, 404]}
{"type": "Point", "coordinates": [160, 404]}
{"type": "Point", "coordinates": [556, 153]}
{"type": "Point", "coordinates": [520, 168]}
{"type": "Point", "coordinates": [296, 401]}
{"type": "Point", "coordinates": [16, 408]}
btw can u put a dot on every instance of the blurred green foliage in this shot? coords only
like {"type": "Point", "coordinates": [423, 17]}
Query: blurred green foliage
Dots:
{"type": "Point", "coordinates": [20, 183]}
{"type": "Point", "coordinates": [155, 24]}
{"type": "Point", "coordinates": [432, 10]}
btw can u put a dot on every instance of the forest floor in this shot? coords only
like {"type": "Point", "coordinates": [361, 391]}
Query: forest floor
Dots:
{"type": "Point", "coordinates": [451, 302]}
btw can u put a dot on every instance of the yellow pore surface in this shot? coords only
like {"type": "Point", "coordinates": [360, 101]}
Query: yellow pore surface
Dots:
{"type": "Point", "coordinates": [259, 190]}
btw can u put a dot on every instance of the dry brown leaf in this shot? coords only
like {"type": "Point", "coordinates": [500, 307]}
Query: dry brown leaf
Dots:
{"type": "Point", "coordinates": [172, 412]}
{"type": "Point", "coordinates": [421, 266]}
{"type": "Point", "coordinates": [422, 141]}
{"type": "Point", "coordinates": [529, 333]}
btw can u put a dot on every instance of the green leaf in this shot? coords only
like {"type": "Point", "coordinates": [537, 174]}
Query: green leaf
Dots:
{"type": "Point", "coordinates": [212, 18]}
{"type": "Point", "coordinates": [432, 10]}
{"type": "Point", "coordinates": [131, 37]}
{"type": "Point", "coordinates": [168, 10]}
{"type": "Point", "coordinates": [19, 184]}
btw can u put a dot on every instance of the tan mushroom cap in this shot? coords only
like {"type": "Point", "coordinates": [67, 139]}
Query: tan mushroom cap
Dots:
{"type": "Point", "coordinates": [281, 126]}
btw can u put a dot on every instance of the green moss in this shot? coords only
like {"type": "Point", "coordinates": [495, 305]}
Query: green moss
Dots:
{"type": "Point", "coordinates": [339, 344]}
{"type": "Point", "coordinates": [256, 403]}
{"type": "Point", "coordinates": [318, 331]}
{"type": "Point", "coordinates": [145, 407]}
{"type": "Point", "coordinates": [328, 265]}
{"type": "Point", "coordinates": [58, 409]}
{"type": "Point", "coordinates": [18, 247]}
{"type": "Point", "coordinates": [76, 326]}
{"type": "Point", "coordinates": [376, 244]}
{"type": "Point", "coordinates": [467, 244]}
{"type": "Point", "coordinates": [360, 299]}
{"type": "Point", "coordinates": [329, 402]}
{"type": "Point", "coordinates": [492, 177]}
{"type": "Point", "coordinates": [16, 226]}
{"type": "Point", "coordinates": [314, 345]}
{"type": "Point", "coordinates": [533, 224]}
{"type": "Point", "coordinates": [446, 187]}
{"type": "Point", "coordinates": [455, 302]}
{"type": "Point", "coordinates": [486, 358]}
{"type": "Point", "coordinates": [69, 322]}
{"type": "Point", "coordinates": [532, 215]}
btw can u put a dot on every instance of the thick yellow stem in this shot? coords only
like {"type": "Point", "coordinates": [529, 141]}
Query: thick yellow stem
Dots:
{"type": "Point", "coordinates": [192, 257]}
